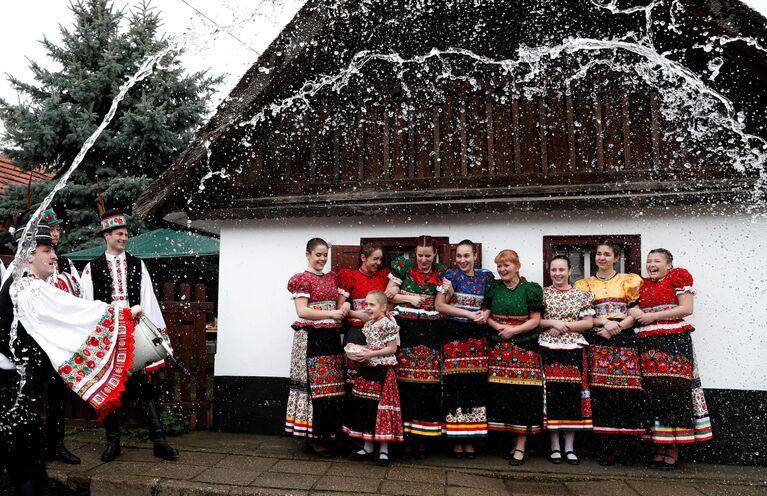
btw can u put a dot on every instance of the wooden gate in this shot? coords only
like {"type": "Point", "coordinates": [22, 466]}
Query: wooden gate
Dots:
{"type": "Point", "coordinates": [185, 381]}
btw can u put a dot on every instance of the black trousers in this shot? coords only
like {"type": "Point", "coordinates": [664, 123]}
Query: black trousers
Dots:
{"type": "Point", "coordinates": [55, 407]}
{"type": "Point", "coordinates": [140, 390]}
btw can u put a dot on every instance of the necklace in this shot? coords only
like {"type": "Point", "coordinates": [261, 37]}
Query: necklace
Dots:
{"type": "Point", "coordinates": [606, 278]}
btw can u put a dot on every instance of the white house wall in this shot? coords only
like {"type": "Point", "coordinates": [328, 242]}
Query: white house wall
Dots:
{"type": "Point", "coordinates": [725, 253]}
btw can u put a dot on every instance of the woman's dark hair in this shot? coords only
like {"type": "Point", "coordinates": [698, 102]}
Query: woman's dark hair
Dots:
{"type": "Point", "coordinates": [368, 248]}
{"type": "Point", "coordinates": [314, 243]}
{"type": "Point", "coordinates": [616, 247]}
{"type": "Point", "coordinates": [426, 241]}
{"type": "Point", "coordinates": [468, 242]}
{"type": "Point", "coordinates": [665, 252]}
{"type": "Point", "coordinates": [561, 257]}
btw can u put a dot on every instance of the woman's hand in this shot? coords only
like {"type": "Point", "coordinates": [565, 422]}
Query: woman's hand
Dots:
{"type": "Point", "coordinates": [645, 318]}
{"type": "Point", "coordinates": [136, 311]}
{"type": "Point", "coordinates": [415, 300]}
{"type": "Point", "coordinates": [337, 314]}
{"type": "Point", "coordinates": [610, 329]}
{"type": "Point", "coordinates": [447, 286]}
{"type": "Point", "coordinates": [478, 317]}
{"type": "Point", "coordinates": [507, 332]}
{"type": "Point", "coordinates": [391, 291]}
{"type": "Point", "coordinates": [560, 326]}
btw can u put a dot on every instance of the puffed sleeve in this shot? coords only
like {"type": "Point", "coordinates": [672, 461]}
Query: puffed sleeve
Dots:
{"type": "Point", "coordinates": [631, 286]}
{"type": "Point", "coordinates": [582, 284]}
{"type": "Point", "coordinates": [534, 297]}
{"type": "Point", "coordinates": [587, 305]}
{"type": "Point", "coordinates": [345, 283]}
{"type": "Point", "coordinates": [390, 331]}
{"type": "Point", "coordinates": [681, 281]}
{"type": "Point", "coordinates": [488, 277]}
{"type": "Point", "coordinates": [398, 269]}
{"type": "Point", "coordinates": [299, 286]}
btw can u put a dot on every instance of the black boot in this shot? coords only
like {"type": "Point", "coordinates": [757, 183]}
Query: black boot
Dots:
{"type": "Point", "coordinates": [161, 447]}
{"type": "Point", "coordinates": [57, 451]}
{"type": "Point", "coordinates": [112, 427]}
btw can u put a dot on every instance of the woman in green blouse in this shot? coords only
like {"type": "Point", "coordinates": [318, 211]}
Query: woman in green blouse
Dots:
{"type": "Point", "coordinates": [515, 380]}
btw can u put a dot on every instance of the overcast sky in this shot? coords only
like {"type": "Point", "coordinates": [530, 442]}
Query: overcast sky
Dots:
{"type": "Point", "coordinates": [224, 36]}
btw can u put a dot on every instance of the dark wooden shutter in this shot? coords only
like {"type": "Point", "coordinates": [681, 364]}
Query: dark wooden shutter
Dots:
{"type": "Point", "coordinates": [344, 257]}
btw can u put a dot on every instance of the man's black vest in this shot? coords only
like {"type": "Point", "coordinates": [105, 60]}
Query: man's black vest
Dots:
{"type": "Point", "coordinates": [102, 280]}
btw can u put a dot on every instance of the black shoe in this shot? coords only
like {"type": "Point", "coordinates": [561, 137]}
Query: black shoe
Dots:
{"type": "Point", "coordinates": [556, 460]}
{"type": "Point", "coordinates": [112, 451]}
{"type": "Point", "coordinates": [574, 460]}
{"type": "Point", "coordinates": [358, 456]}
{"type": "Point", "coordinates": [59, 452]}
{"type": "Point", "coordinates": [669, 466]}
{"type": "Point", "coordinates": [383, 459]}
{"type": "Point", "coordinates": [516, 462]}
{"type": "Point", "coordinates": [457, 454]}
{"type": "Point", "coordinates": [469, 455]}
{"type": "Point", "coordinates": [164, 450]}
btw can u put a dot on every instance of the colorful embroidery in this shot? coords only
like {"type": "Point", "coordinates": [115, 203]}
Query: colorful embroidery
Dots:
{"type": "Point", "coordinates": [467, 356]}
{"type": "Point", "coordinates": [559, 372]}
{"type": "Point", "coordinates": [611, 306]}
{"type": "Point", "coordinates": [511, 364]}
{"type": "Point", "coordinates": [657, 296]}
{"type": "Point", "coordinates": [321, 291]}
{"type": "Point", "coordinates": [613, 367]}
{"type": "Point", "coordinates": [326, 376]}
{"type": "Point", "coordinates": [414, 281]}
{"type": "Point", "coordinates": [418, 364]}
{"type": "Point", "coordinates": [83, 362]}
{"type": "Point", "coordinates": [369, 390]}
{"type": "Point", "coordinates": [658, 364]}
{"type": "Point", "coordinates": [355, 285]}
{"type": "Point", "coordinates": [469, 423]}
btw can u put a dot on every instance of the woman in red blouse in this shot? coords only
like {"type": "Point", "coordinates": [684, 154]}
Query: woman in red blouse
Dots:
{"type": "Point", "coordinates": [675, 404]}
{"type": "Point", "coordinates": [315, 401]}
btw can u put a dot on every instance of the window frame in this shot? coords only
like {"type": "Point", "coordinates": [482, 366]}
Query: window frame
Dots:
{"type": "Point", "coordinates": [632, 244]}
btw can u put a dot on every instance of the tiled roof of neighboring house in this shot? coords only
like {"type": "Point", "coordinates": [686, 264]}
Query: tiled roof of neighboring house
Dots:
{"type": "Point", "coordinates": [10, 173]}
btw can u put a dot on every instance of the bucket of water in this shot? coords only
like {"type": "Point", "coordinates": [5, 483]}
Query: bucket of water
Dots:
{"type": "Point", "coordinates": [149, 345]}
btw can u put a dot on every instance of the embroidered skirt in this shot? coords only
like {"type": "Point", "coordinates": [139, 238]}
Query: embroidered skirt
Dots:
{"type": "Point", "coordinates": [675, 404]}
{"type": "Point", "coordinates": [418, 376]}
{"type": "Point", "coordinates": [616, 384]}
{"type": "Point", "coordinates": [315, 400]}
{"type": "Point", "coordinates": [464, 379]}
{"type": "Point", "coordinates": [567, 400]}
{"type": "Point", "coordinates": [515, 388]}
{"type": "Point", "coordinates": [373, 407]}
{"type": "Point", "coordinates": [354, 335]}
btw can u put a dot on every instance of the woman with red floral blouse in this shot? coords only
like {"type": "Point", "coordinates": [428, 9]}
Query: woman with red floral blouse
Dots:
{"type": "Point", "coordinates": [418, 371]}
{"type": "Point", "coordinates": [675, 403]}
{"type": "Point", "coordinates": [315, 401]}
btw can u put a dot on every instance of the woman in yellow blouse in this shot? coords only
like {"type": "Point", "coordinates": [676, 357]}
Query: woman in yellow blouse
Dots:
{"type": "Point", "coordinates": [614, 376]}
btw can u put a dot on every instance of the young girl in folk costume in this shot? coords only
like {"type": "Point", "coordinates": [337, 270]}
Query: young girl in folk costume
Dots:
{"type": "Point", "coordinates": [675, 402]}
{"type": "Point", "coordinates": [515, 379]}
{"type": "Point", "coordinates": [464, 349]}
{"type": "Point", "coordinates": [315, 401]}
{"type": "Point", "coordinates": [354, 285]}
{"type": "Point", "coordinates": [614, 377]}
{"type": "Point", "coordinates": [418, 371]}
{"type": "Point", "coordinates": [568, 312]}
{"type": "Point", "coordinates": [373, 412]}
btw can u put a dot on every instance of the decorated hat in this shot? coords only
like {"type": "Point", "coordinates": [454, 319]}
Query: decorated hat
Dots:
{"type": "Point", "coordinates": [49, 218]}
{"type": "Point", "coordinates": [112, 219]}
{"type": "Point", "coordinates": [42, 236]}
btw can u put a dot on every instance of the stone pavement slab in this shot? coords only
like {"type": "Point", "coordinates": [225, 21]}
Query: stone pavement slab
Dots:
{"type": "Point", "coordinates": [600, 488]}
{"type": "Point", "coordinates": [189, 488]}
{"type": "Point", "coordinates": [357, 469]}
{"type": "Point", "coordinates": [239, 462]}
{"type": "Point", "coordinates": [408, 488]}
{"type": "Point", "coordinates": [536, 488]}
{"type": "Point", "coordinates": [730, 490]}
{"type": "Point", "coordinates": [417, 474]}
{"type": "Point", "coordinates": [301, 467]}
{"type": "Point", "coordinates": [666, 488]}
{"type": "Point", "coordinates": [475, 481]}
{"type": "Point", "coordinates": [225, 475]}
{"type": "Point", "coordinates": [340, 483]}
{"type": "Point", "coordinates": [285, 480]}
{"type": "Point", "coordinates": [122, 485]}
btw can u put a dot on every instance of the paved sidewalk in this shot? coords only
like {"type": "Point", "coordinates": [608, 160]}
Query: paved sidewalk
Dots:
{"type": "Point", "coordinates": [248, 465]}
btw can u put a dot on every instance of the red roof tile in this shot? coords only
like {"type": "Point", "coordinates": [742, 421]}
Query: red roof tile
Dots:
{"type": "Point", "coordinates": [10, 173]}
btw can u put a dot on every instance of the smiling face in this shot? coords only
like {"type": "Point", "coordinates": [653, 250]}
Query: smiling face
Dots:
{"type": "Point", "coordinates": [374, 308]}
{"type": "Point", "coordinates": [465, 258]}
{"type": "Point", "coordinates": [658, 266]}
{"type": "Point", "coordinates": [606, 258]}
{"type": "Point", "coordinates": [507, 270]}
{"type": "Point", "coordinates": [372, 262]}
{"type": "Point", "coordinates": [42, 261]}
{"type": "Point", "coordinates": [560, 273]}
{"type": "Point", "coordinates": [318, 257]}
{"type": "Point", "coordinates": [55, 234]}
{"type": "Point", "coordinates": [424, 257]}
{"type": "Point", "coordinates": [117, 240]}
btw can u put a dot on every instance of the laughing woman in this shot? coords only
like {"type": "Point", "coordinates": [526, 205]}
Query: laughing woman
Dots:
{"type": "Point", "coordinates": [614, 377]}
{"type": "Point", "coordinates": [418, 370]}
{"type": "Point", "coordinates": [675, 403]}
{"type": "Point", "coordinates": [568, 313]}
{"type": "Point", "coordinates": [515, 385]}
{"type": "Point", "coordinates": [315, 401]}
{"type": "Point", "coordinates": [464, 349]}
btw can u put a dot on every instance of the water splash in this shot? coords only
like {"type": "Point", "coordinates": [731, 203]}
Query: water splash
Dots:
{"type": "Point", "coordinates": [27, 242]}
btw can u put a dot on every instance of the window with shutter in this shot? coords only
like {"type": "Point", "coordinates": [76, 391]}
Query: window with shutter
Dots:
{"type": "Point", "coordinates": [581, 249]}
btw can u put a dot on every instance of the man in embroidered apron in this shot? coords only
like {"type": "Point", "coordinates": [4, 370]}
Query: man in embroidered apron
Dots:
{"type": "Point", "coordinates": [120, 278]}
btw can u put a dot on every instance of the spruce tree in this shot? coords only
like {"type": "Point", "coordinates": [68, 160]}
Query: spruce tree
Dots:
{"type": "Point", "coordinates": [63, 106]}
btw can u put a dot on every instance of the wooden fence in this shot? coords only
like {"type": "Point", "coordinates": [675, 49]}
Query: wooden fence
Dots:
{"type": "Point", "coordinates": [185, 381]}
